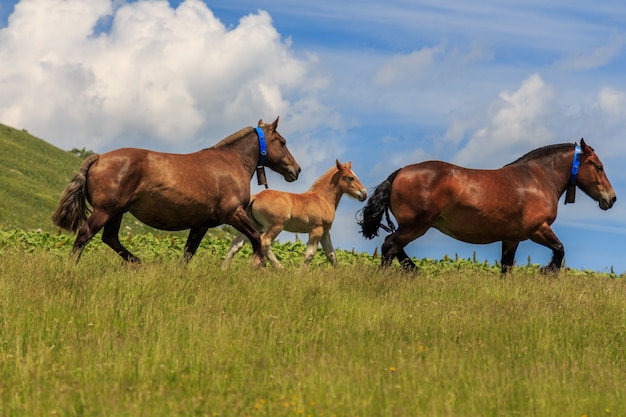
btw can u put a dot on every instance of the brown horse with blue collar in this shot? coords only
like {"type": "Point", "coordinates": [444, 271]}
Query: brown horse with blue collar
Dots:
{"type": "Point", "coordinates": [511, 204]}
{"type": "Point", "coordinates": [173, 192]}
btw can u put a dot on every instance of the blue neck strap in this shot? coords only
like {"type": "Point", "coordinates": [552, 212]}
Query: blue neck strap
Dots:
{"type": "Point", "coordinates": [575, 164]}
{"type": "Point", "coordinates": [262, 147]}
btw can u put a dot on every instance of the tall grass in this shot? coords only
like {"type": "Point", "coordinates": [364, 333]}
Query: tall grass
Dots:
{"type": "Point", "coordinates": [164, 339]}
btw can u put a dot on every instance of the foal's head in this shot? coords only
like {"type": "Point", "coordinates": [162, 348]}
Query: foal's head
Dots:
{"type": "Point", "coordinates": [349, 183]}
{"type": "Point", "coordinates": [279, 158]}
{"type": "Point", "coordinates": [592, 178]}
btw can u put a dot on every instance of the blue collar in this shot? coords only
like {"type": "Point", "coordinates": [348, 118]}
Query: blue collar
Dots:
{"type": "Point", "coordinates": [262, 147]}
{"type": "Point", "coordinates": [570, 195]}
{"type": "Point", "coordinates": [575, 165]}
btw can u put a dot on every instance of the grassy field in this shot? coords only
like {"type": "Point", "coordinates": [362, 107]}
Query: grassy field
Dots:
{"type": "Point", "coordinates": [165, 339]}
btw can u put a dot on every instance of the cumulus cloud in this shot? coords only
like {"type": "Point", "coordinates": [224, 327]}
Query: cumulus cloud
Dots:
{"type": "Point", "coordinates": [104, 73]}
{"type": "Point", "coordinates": [517, 123]}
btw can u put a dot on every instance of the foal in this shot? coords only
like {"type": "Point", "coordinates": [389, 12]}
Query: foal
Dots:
{"type": "Point", "coordinates": [311, 212]}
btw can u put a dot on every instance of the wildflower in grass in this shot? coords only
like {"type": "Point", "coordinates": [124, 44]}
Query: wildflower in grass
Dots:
{"type": "Point", "coordinates": [392, 369]}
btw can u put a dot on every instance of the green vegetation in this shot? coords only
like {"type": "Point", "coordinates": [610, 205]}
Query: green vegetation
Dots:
{"type": "Point", "coordinates": [33, 174]}
{"type": "Point", "coordinates": [164, 339]}
{"type": "Point", "coordinates": [167, 339]}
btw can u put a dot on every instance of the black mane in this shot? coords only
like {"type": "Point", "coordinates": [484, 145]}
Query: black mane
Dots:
{"type": "Point", "coordinates": [539, 152]}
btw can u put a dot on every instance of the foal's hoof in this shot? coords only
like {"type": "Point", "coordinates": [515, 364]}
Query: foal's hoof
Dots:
{"type": "Point", "coordinates": [257, 262]}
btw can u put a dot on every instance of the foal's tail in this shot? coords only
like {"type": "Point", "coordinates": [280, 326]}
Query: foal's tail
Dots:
{"type": "Point", "coordinates": [377, 205]}
{"type": "Point", "coordinates": [72, 211]}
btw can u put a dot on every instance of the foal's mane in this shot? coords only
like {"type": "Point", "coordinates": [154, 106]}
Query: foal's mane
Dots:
{"type": "Point", "coordinates": [540, 152]}
{"type": "Point", "coordinates": [233, 137]}
{"type": "Point", "coordinates": [324, 177]}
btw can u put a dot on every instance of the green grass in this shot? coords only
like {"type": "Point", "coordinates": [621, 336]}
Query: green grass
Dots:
{"type": "Point", "coordinates": [165, 339]}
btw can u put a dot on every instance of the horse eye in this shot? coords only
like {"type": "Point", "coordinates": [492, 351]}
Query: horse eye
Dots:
{"type": "Point", "coordinates": [350, 178]}
{"type": "Point", "coordinates": [599, 168]}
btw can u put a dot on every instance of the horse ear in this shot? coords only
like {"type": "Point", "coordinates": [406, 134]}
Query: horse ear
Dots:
{"type": "Point", "coordinates": [275, 124]}
{"type": "Point", "coordinates": [260, 122]}
{"type": "Point", "coordinates": [338, 164]}
{"type": "Point", "coordinates": [583, 145]}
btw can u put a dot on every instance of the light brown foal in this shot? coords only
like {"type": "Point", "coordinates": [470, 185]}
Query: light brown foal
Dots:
{"type": "Point", "coordinates": [311, 212]}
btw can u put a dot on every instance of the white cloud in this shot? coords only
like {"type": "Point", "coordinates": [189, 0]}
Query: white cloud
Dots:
{"type": "Point", "coordinates": [516, 122]}
{"type": "Point", "coordinates": [611, 101]}
{"type": "Point", "coordinates": [599, 57]}
{"type": "Point", "coordinates": [175, 76]}
{"type": "Point", "coordinates": [406, 69]}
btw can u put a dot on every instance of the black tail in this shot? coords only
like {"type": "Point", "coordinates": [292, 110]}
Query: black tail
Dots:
{"type": "Point", "coordinates": [72, 210]}
{"type": "Point", "coordinates": [377, 205]}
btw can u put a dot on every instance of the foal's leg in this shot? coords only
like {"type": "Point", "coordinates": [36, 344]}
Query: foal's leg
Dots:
{"type": "Point", "coordinates": [240, 221]}
{"type": "Point", "coordinates": [110, 236]}
{"type": "Point", "coordinates": [508, 255]}
{"type": "Point", "coordinates": [94, 223]}
{"type": "Point", "coordinates": [235, 247]}
{"type": "Point", "coordinates": [267, 238]}
{"type": "Point", "coordinates": [546, 237]}
{"type": "Point", "coordinates": [315, 235]}
{"type": "Point", "coordinates": [193, 241]}
{"type": "Point", "coordinates": [329, 250]}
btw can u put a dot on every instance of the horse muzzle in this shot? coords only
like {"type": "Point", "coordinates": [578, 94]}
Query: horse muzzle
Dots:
{"type": "Point", "coordinates": [292, 174]}
{"type": "Point", "coordinates": [362, 195]}
{"type": "Point", "coordinates": [607, 202]}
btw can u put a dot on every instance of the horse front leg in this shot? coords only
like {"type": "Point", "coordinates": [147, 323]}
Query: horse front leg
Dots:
{"type": "Point", "coordinates": [546, 237]}
{"type": "Point", "coordinates": [329, 250]}
{"type": "Point", "coordinates": [315, 235]}
{"type": "Point", "coordinates": [508, 255]}
{"type": "Point", "coordinates": [240, 221]}
{"type": "Point", "coordinates": [193, 241]}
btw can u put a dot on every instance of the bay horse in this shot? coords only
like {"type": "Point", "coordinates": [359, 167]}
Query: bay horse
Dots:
{"type": "Point", "coordinates": [511, 204]}
{"type": "Point", "coordinates": [311, 212]}
{"type": "Point", "coordinates": [193, 191]}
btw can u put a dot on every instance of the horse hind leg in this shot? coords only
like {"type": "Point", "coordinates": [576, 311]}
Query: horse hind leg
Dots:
{"type": "Point", "coordinates": [235, 247]}
{"type": "Point", "coordinates": [267, 238]}
{"type": "Point", "coordinates": [110, 236]}
{"type": "Point", "coordinates": [394, 244]}
{"type": "Point", "coordinates": [88, 230]}
{"type": "Point", "coordinates": [508, 255]}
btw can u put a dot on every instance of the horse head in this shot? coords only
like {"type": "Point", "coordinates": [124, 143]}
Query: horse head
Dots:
{"type": "Point", "coordinates": [349, 182]}
{"type": "Point", "coordinates": [592, 178]}
{"type": "Point", "coordinates": [279, 158]}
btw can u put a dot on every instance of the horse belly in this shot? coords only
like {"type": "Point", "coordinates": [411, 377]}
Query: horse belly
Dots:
{"type": "Point", "coordinates": [474, 226]}
{"type": "Point", "coordinates": [165, 213]}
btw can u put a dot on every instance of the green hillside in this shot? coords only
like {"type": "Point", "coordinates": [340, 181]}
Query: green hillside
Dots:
{"type": "Point", "coordinates": [33, 174]}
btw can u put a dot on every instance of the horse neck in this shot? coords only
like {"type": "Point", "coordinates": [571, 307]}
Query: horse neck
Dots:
{"type": "Point", "coordinates": [327, 188]}
{"type": "Point", "coordinates": [556, 169]}
{"type": "Point", "coordinates": [241, 147]}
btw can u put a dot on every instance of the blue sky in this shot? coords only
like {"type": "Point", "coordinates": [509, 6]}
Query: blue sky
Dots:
{"type": "Point", "coordinates": [380, 84]}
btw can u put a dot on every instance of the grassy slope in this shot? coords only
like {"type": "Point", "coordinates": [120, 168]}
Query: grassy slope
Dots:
{"type": "Point", "coordinates": [163, 339]}
{"type": "Point", "coordinates": [32, 175]}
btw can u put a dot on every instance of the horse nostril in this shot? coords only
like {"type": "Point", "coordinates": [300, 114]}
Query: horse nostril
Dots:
{"type": "Point", "coordinates": [613, 200]}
